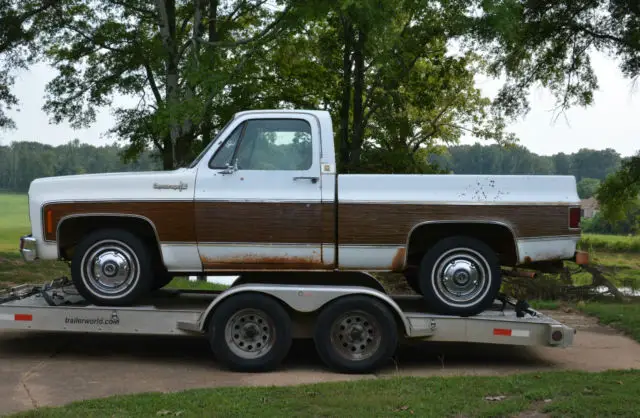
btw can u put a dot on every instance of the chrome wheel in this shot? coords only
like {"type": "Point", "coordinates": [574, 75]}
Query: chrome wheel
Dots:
{"type": "Point", "coordinates": [461, 277]}
{"type": "Point", "coordinates": [110, 269]}
{"type": "Point", "coordinates": [356, 335]}
{"type": "Point", "coordinates": [250, 333]}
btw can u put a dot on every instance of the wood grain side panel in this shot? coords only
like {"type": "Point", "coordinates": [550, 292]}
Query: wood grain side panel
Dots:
{"type": "Point", "coordinates": [173, 221]}
{"type": "Point", "coordinates": [328, 223]}
{"type": "Point", "coordinates": [259, 222]}
{"type": "Point", "coordinates": [391, 224]}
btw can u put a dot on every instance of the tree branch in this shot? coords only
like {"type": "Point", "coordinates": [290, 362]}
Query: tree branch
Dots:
{"type": "Point", "coordinates": [152, 83]}
{"type": "Point", "coordinates": [262, 34]}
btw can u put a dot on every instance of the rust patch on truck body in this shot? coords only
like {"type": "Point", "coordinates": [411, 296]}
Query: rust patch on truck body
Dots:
{"type": "Point", "coordinates": [252, 262]}
{"type": "Point", "coordinates": [397, 264]}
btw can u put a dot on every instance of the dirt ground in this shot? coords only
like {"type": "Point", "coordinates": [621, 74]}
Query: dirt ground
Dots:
{"type": "Point", "coordinates": [41, 369]}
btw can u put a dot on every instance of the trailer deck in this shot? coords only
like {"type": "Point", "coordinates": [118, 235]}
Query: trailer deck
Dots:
{"type": "Point", "coordinates": [58, 307]}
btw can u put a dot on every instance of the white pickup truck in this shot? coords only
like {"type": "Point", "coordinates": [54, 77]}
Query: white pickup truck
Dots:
{"type": "Point", "coordinates": [264, 197]}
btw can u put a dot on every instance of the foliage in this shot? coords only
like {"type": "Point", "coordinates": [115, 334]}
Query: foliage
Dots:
{"type": "Point", "coordinates": [176, 58]}
{"type": "Point", "coordinates": [610, 243]}
{"type": "Point", "coordinates": [620, 193]}
{"type": "Point", "coordinates": [189, 65]}
{"type": "Point", "coordinates": [515, 159]}
{"type": "Point", "coordinates": [22, 162]}
{"type": "Point", "coordinates": [587, 187]}
{"type": "Point", "coordinates": [17, 31]}
{"type": "Point", "coordinates": [548, 42]}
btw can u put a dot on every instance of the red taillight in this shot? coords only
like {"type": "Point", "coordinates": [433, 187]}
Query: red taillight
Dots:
{"type": "Point", "coordinates": [574, 217]}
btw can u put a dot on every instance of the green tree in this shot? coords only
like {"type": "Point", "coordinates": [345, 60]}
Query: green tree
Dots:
{"type": "Point", "coordinates": [176, 58]}
{"type": "Point", "coordinates": [18, 29]}
{"type": "Point", "coordinates": [587, 187]}
{"type": "Point", "coordinates": [401, 92]}
{"type": "Point", "coordinates": [548, 42]}
{"type": "Point", "coordinates": [620, 191]}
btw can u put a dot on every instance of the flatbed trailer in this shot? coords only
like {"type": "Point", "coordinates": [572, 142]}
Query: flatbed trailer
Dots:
{"type": "Point", "coordinates": [250, 326]}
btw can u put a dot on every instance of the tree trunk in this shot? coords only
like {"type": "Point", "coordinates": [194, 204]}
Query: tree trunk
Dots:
{"type": "Point", "coordinates": [358, 101]}
{"type": "Point", "coordinates": [212, 32]}
{"type": "Point", "coordinates": [345, 105]}
{"type": "Point", "coordinates": [167, 24]}
{"type": "Point", "coordinates": [213, 18]}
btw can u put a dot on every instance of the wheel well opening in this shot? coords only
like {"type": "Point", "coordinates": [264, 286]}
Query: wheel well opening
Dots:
{"type": "Point", "coordinates": [497, 236]}
{"type": "Point", "coordinates": [72, 230]}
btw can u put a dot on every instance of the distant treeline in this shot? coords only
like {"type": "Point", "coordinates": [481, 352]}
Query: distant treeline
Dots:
{"type": "Point", "coordinates": [21, 162]}
{"type": "Point", "coordinates": [494, 159]}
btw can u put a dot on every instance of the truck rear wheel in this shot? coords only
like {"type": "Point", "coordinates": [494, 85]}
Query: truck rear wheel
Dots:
{"type": "Point", "coordinates": [112, 267]}
{"type": "Point", "coordinates": [356, 334]}
{"type": "Point", "coordinates": [250, 332]}
{"type": "Point", "coordinates": [460, 276]}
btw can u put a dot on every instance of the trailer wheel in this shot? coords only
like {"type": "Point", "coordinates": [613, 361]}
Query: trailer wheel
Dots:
{"type": "Point", "coordinates": [460, 276]}
{"type": "Point", "coordinates": [250, 332]}
{"type": "Point", "coordinates": [112, 267]}
{"type": "Point", "coordinates": [355, 334]}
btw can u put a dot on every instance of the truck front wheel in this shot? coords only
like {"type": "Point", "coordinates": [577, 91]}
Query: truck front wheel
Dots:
{"type": "Point", "coordinates": [112, 267]}
{"type": "Point", "coordinates": [460, 276]}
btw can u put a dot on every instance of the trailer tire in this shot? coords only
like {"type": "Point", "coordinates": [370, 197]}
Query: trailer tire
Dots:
{"type": "Point", "coordinates": [465, 264]}
{"type": "Point", "coordinates": [245, 324]}
{"type": "Point", "coordinates": [112, 267]}
{"type": "Point", "coordinates": [356, 334]}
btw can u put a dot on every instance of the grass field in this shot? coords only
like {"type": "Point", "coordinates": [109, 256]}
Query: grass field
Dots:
{"type": "Point", "coordinates": [14, 220]}
{"type": "Point", "coordinates": [562, 394]}
{"type": "Point", "coordinates": [610, 243]}
{"type": "Point", "coordinates": [622, 316]}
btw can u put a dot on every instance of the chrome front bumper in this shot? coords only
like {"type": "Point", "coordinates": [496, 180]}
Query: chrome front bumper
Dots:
{"type": "Point", "coordinates": [28, 248]}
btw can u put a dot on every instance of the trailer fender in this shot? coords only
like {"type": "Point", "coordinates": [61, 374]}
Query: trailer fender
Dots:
{"type": "Point", "coordinates": [302, 299]}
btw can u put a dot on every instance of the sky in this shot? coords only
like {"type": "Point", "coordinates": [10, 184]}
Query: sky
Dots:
{"type": "Point", "coordinates": [613, 121]}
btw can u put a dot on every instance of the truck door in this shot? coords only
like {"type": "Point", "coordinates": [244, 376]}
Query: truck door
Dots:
{"type": "Point", "coordinates": [258, 202]}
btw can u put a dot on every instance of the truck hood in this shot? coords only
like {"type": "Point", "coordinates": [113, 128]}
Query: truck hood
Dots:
{"type": "Point", "coordinates": [150, 185]}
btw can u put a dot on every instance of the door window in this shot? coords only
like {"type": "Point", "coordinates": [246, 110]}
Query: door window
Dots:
{"type": "Point", "coordinates": [268, 144]}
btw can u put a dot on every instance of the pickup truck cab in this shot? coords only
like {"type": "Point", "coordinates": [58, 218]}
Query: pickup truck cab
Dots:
{"type": "Point", "coordinates": [264, 196]}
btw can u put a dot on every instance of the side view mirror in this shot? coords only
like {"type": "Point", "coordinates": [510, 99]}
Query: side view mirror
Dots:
{"type": "Point", "coordinates": [231, 168]}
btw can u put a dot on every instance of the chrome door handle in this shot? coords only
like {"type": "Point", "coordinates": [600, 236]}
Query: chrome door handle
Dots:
{"type": "Point", "coordinates": [314, 180]}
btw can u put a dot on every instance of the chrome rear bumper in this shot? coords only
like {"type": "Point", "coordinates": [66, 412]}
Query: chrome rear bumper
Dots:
{"type": "Point", "coordinates": [28, 248]}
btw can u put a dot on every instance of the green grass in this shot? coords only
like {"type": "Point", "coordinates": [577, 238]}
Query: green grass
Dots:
{"type": "Point", "coordinates": [622, 316]}
{"type": "Point", "coordinates": [625, 268]}
{"type": "Point", "coordinates": [610, 243]}
{"type": "Point", "coordinates": [14, 220]}
{"type": "Point", "coordinates": [562, 394]}
{"type": "Point", "coordinates": [184, 283]}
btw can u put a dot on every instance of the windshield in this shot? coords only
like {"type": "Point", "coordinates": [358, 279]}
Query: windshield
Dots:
{"type": "Point", "coordinates": [209, 145]}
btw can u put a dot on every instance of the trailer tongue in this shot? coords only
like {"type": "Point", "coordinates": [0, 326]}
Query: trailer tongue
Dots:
{"type": "Point", "coordinates": [251, 326]}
